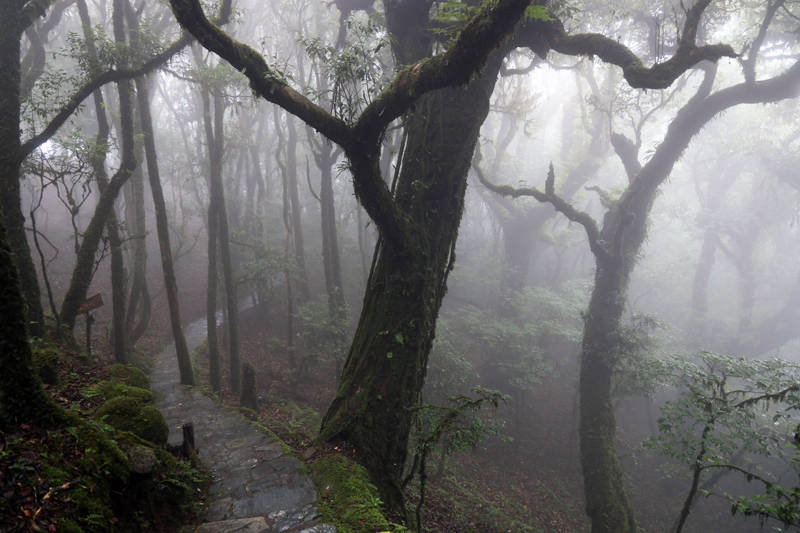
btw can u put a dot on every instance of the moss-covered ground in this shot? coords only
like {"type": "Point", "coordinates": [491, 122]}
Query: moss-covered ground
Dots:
{"type": "Point", "coordinates": [93, 474]}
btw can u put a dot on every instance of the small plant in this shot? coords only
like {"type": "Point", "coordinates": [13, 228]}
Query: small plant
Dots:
{"type": "Point", "coordinates": [731, 409]}
{"type": "Point", "coordinates": [449, 428]}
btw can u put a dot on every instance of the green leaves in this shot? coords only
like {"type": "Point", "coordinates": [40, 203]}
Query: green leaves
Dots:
{"type": "Point", "coordinates": [731, 409]}
{"type": "Point", "coordinates": [537, 12]}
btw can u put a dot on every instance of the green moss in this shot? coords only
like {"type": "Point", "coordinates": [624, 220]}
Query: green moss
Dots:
{"type": "Point", "coordinates": [347, 499]}
{"type": "Point", "coordinates": [131, 414]}
{"type": "Point", "coordinates": [113, 389]}
{"type": "Point", "coordinates": [47, 362]}
{"type": "Point", "coordinates": [129, 375]}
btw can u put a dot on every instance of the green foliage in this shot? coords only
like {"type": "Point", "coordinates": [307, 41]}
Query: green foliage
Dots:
{"type": "Point", "coordinates": [355, 73]}
{"type": "Point", "coordinates": [324, 338]}
{"type": "Point", "coordinates": [537, 12]}
{"type": "Point", "coordinates": [450, 16]}
{"type": "Point", "coordinates": [637, 370]}
{"type": "Point", "coordinates": [132, 414]}
{"type": "Point", "coordinates": [449, 428]}
{"type": "Point", "coordinates": [731, 410]}
{"type": "Point", "coordinates": [456, 426]}
{"type": "Point", "coordinates": [347, 499]}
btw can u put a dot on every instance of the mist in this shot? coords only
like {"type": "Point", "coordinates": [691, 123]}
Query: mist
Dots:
{"type": "Point", "coordinates": [441, 266]}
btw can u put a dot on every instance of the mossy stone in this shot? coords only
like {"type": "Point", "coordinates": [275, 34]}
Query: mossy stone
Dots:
{"type": "Point", "coordinates": [113, 389]}
{"type": "Point", "coordinates": [132, 414]}
{"type": "Point", "coordinates": [47, 362]}
{"type": "Point", "coordinates": [129, 375]}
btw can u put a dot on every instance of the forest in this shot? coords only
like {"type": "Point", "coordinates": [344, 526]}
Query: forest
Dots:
{"type": "Point", "coordinates": [410, 266]}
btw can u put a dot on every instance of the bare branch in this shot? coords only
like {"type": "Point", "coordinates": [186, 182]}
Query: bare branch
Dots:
{"type": "Point", "coordinates": [560, 205]}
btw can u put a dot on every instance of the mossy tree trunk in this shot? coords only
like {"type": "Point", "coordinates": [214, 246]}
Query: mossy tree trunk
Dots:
{"type": "Point", "coordinates": [385, 368]}
{"type": "Point", "coordinates": [22, 398]}
{"type": "Point", "coordinates": [11, 159]}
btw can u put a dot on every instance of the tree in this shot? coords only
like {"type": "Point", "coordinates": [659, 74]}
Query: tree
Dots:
{"type": "Point", "coordinates": [386, 366]}
{"type": "Point", "coordinates": [615, 246]}
{"type": "Point", "coordinates": [22, 398]}
{"type": "Point", "coordinates": [716, 425]}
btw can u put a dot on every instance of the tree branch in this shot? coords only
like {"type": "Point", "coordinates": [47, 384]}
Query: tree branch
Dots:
{"type": "Point", "coordinates": [560, 205]}
{"type": "Point", "coordinates": [109, 76]}
{"type": "Point", "coordinates": [33, 10]}
{"type": "Point", "coordinates": [660, 75]}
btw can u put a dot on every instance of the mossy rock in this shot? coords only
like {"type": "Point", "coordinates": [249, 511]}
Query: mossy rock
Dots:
{"type": "Point", "coordinates": [113, 389]}
{"type": "Point", "coordinates": [47, 362]}
{"type": "Point", "coordinates": [347, 498]}
{"type": "Point", "coordinates": [134, 415]}
{"type": "Point", "coordinates": [129, 375]}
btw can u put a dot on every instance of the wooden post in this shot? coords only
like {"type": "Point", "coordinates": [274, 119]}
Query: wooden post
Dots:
{"type": "Point", "coordinates": [89, 320]}
{"type": "Point", "coordinates": [188, 439]}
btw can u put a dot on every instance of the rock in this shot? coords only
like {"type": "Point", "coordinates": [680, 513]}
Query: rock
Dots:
{"type": "Point", "coordinates": [141, 459]}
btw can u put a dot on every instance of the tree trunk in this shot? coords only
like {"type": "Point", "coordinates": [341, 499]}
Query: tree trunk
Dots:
{"type": "Point", "coordinates": [10, 161]}
{"type": "Point", "coordinates": [606, 502]}
{"type": "Point", "coordinates": [337, 308]}
{"type": "Point", "coordinates": [22, 398]}
{"type": "Point", "coordinates": [214, 135]}
{"type": "Point", "coordinates": [162, 228]}
{"type": "Point", "coordinates": [215, 376]}
{"type": "Point", "coordinates": [301, 274]}
{"type": "Point", "coordinates": [385, 368]}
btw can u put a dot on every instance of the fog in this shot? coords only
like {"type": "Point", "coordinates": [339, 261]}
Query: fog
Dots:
{"type": "Point", "coordinates": [543, 287]}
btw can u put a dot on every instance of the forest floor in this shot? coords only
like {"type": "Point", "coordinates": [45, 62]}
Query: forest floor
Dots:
{"type": "Point", "coordinates": [69, 479]}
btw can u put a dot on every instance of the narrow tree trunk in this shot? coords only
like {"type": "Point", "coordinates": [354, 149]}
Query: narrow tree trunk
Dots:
{"type": "Point", "coordinates": [137, 317]}
{"type": "Point", "coordinates": [337, 308]}
{"type": "Point", "coordinates": [162, 228]}
{"type": "Point", "coordinates": [215, 137]}
{"type": "Point", "coordinates": [702, 273]}
{"type": "Point", "coordinates": [301, 275]}
{"type": "Point", "coordinates": [215, 376]}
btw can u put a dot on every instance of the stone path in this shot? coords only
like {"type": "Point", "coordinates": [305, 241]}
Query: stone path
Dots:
{"type": "Point", "coordinates": [257, 488]}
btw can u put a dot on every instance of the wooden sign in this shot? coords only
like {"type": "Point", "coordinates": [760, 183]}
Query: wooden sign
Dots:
{"type": "Point", "coordinates": [92, 303]}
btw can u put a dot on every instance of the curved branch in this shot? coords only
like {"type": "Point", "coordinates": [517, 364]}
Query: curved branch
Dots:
{"type": "Point", "coordinates": [660, 75]}
{"type": "Point", "coordinates": [266, 82]}
{"type": "Point", "coordinates": [560, 205]}
{"type": "Point", "coordinates": [455, 67]}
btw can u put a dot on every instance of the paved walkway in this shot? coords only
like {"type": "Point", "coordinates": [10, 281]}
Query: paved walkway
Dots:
{"type": "Point", "coordinates": [257, 488]}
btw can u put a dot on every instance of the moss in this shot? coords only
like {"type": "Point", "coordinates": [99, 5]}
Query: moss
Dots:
{"type": "Point", "coordinates": [347, 499]}
{"type": "Point", "coordinates": [131, 414]}
{"type": "Point", "coordinates": [114, 389]}
{"type": "Point", "coordinates": [129, 375]}
{"type": "Point", "coordinates": [47, 362]}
